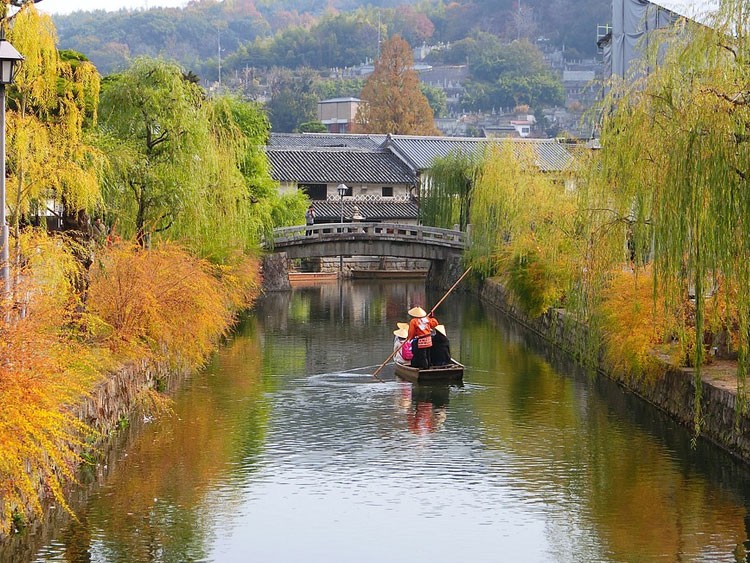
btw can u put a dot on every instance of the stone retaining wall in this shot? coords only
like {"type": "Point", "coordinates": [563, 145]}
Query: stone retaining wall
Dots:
{"type": "Point", "coordinates": [112, 402]}
{"type": "Point", "coordinates": [673, 392]}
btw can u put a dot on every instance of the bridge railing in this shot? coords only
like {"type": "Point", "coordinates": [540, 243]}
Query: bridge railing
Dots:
{"type": "Point", "coordinates": [392, 231]}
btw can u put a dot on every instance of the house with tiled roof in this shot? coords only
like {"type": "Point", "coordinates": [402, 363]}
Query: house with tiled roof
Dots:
{"type": "Point", "coordinates": [380, 185]}
{"type": "Point", "coordinates": [382, 173]}
{"type": "Point", "coordinates": [419, 152]}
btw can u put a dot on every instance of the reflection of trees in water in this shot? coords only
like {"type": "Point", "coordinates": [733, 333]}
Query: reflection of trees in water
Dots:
{"type": "Point", "coordinates": [336, 325]}
{"type": "Point", "coordinates": [634, 476]}
{"type": "Point", "coordinates": [155, 497]}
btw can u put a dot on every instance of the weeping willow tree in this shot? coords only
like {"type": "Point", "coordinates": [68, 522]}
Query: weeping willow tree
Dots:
{"type": "Point", "coordinates": [51, 160]}
{"type": "Point", "coordinates": [52, 106]}
{"type": "Point", "coordinates": [186, 167]}
{"type": "Point", "coordinates": [445, 196]}
{"type": "Point", "coordinates": [676, 158]}
{"type": "Point", "coordinates": [521, 217]}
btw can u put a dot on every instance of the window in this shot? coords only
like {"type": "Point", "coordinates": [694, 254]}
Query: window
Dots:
{"type": "Point", "coordinates": [387, 191]}
{"type": "Point", "coordinates": [314, 191]}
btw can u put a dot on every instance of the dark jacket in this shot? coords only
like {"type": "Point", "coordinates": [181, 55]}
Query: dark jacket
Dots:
{"type": "Point", "coordinates": [440, 353]}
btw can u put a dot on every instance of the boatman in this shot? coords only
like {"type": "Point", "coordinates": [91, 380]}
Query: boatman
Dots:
{"type": "Point", "coordinates": [420, 336]}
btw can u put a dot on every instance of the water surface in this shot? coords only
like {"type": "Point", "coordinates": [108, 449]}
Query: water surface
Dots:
{"type": "Point", "coordinates": [285, 448]}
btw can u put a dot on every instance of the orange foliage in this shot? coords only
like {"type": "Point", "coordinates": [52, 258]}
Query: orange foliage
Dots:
{"type": "Point", "coordinates": [164, 301]}
{"type": "Point", "coordinates": [43, 374]}
{"type": "Point", "coordinates": [636, 327]}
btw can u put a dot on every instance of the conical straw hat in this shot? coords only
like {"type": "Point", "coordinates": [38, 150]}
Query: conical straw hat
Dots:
{"type": "Point", "coordinates": [417, 312]}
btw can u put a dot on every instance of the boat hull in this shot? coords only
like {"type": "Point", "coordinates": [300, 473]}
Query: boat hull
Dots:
{"type": "Point", "coordinates": [451, 372]}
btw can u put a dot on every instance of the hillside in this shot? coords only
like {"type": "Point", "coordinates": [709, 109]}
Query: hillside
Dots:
{"type": "Point", "coordinates": [318, 33]}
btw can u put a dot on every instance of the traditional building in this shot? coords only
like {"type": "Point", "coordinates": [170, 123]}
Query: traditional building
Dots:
{"type": "Point", "coordinates": [381, 173]}
{"type": "Point", "coordinates": [378, 185]}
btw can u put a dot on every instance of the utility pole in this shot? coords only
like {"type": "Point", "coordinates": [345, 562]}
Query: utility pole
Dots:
{"type": "Point", "coordinates": [379, 27]}
{"type": "Point", "coordinates": [218, 41]}
{"type": "Point", "coordinates": [518, 22]}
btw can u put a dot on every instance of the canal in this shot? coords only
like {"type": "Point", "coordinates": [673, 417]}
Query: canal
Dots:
{"type": "Point", "coordinates": [286, 449]}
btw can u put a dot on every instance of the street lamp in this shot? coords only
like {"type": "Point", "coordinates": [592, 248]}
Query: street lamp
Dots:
{"type": "Point", "coordinates": [10, 60]}
{"type": "Point", "coordinates": [342, 189]}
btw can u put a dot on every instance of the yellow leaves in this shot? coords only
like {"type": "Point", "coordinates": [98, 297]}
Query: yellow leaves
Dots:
{"type": "Point", "coordinates": [43, 374]}
{"type": "Point", "coordinates": [161, 302]}
{"type": "Point", "coordinates": [33, 35]}
{"type": "Point", "coordinates": [636, 327]}
{"type": "Point", "coordinates": [525, 216]}
{"type": "Point", "coordinates": [49, 157]}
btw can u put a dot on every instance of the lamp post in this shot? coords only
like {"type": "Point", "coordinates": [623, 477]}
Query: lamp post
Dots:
{"type": "Point", "coordinates": [10, 60]}
{"type": "Point", "coordinates": [342, 189]}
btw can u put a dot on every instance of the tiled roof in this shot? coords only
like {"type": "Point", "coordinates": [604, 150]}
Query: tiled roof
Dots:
{"type": "Point", "coordinates": [377, 210]}
{"type": "Point", "coordinates": [421, 151]}
{"type": "Point", "coordinates": [308, 140]}
{"type": "Point", "coordinates": [317, 165]}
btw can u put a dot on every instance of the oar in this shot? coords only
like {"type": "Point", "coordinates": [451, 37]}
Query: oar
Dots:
{"type": "Point", "coordinates": [451, 289]}
{"type": "Point", "coordinates": [447, 293]}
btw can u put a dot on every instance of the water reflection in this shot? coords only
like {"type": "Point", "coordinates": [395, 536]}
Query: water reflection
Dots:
{"type": "Point", "coordinates": [425, 407]}
{"type": "Point", "coordinates": [287, 449]}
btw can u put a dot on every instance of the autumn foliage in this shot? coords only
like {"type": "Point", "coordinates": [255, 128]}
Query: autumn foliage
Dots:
{"type": "Point", "coordinates": [638, 330]}
{"type": "Point", "coordinates": [392, 100]}
{"type": "Point", "coordinates": [45, 370]}
{"type": "Point", "coordinates": [163, 304]}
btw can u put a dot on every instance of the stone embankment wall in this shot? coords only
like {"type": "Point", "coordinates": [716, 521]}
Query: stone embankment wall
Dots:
{"type": "Point", "coordinates": [672, 392]}
{"type": "Point", "coordinates": [111, 405]}
{"type": "Point", "coordinates": [116, 398]}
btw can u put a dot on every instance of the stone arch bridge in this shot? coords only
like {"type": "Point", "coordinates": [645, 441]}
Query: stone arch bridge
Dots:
{"type": "Point", "coordinates": [442, 247]}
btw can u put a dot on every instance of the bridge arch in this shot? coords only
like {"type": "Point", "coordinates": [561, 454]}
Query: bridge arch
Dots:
{"type": "Point", "coordinates": [443, 248]}
{"type": "Point", "coordinates": [369, 239]}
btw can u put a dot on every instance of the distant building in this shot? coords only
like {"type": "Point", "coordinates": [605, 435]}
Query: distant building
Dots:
{"type": "Point", "coordinates": [450, 79]}
{"type": "Point", "coordinates": [379, 184]}
{"type": "Point", "coordinates": [578, 85]}
{"type": "Point", "coordinates": [338, 114]}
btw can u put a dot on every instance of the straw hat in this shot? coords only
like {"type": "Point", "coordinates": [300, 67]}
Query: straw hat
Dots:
{"type": "Point", "coordinates": [441, 330]}
{"type": "Point", "coordinates": [417, 312]}
{"type": "Point", "coordinates": [405, 326]}
{"type": "Point", "coordinates": [401, 333]}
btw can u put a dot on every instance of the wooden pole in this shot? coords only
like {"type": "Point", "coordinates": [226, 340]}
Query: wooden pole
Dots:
{"type": "Point", "coordinates": [447, 293]}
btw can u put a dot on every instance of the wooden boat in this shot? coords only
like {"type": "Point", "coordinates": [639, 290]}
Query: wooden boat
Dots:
{"type": "Point", "coordinates": [450, 372]}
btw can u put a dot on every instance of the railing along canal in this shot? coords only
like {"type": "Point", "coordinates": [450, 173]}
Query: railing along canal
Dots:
{"type": "Point", "coordinates": [309, 234]}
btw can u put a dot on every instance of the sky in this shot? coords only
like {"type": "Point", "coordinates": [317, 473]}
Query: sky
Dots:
{"type": "Point", "coordinates": [68, 6]}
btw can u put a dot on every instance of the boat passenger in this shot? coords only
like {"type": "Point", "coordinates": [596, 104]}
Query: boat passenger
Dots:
{"type": "Point", "coordinates": [440, 353]}
{"type": "Point", "coordinates": [420, 336]}
{"type": "Point", "coordinates": [402, 346]}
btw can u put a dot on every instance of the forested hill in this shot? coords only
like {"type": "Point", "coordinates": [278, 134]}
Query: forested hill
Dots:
{"type": "Point", "coordinates": [318, 33]}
